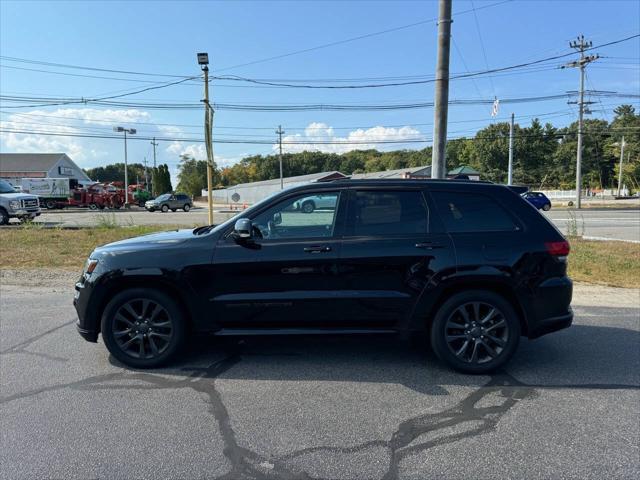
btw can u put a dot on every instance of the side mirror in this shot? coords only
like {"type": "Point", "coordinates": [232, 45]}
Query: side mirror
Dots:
{"type": "Point", "coordinates": [277, 218]}
{"type": "Point", "coordinates": [243, 228]}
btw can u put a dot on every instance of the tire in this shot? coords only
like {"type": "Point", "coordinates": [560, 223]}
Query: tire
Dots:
{"type": "Point", "coordinates": [93, 206]}
{"type": "Point", "coordinates": [164, 208]}
{"type": "Point", "coordinates": [164, 327]}
{"type": "Point", "coordinates": [174, 209]}
{"type": "Point", "coordinates": [141, 204]}
{"type": "Point", "coordinates": [151, 209]}
{"type": "Point", "coordinates": [308, 206]}
{"type": "Point", "coordinates": [501, 332]}
{"type": "Point", "coordinates": [186, 207]}
{"type": "Point", "coordinates": [4, 217]}
{"type": "Point", "coordinates": [546, 207]}
{"type": "Point", "coordinates": [50, 204]}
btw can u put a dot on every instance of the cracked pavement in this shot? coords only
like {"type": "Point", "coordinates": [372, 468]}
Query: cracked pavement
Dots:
{"type": "Point", "coordinates": [567, 405]}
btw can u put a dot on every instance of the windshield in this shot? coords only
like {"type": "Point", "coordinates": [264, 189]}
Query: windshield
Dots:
{"type": "Point", "coordinates": [5, 187]}
{"type": "Point", "coordinates": [166, 196]}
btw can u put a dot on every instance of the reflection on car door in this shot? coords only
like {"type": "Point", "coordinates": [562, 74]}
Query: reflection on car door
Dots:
{"type": "Point", "coordinates": [389, 255]}
{"type": "Point", "coordinates": [288, 278]}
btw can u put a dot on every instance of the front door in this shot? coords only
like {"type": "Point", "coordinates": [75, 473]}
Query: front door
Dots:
{"type": "Point", "coordinates": [285, 276]}
{"type": "Point", "coordinates": [389, 255]}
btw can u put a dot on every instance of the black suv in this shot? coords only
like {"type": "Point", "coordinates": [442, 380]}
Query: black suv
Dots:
{"type": "Point", "coordinates": [473, 264]}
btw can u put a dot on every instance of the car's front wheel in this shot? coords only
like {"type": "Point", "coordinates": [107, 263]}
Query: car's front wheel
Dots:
{"type": "Point", "coordinates": [475, 332]}
{"type": "Point", "coordinates": [546, 207]}
{"type": "Point", "coordinates": [165, 208]}
{"type": "Point", "coordinates": [143, 328]}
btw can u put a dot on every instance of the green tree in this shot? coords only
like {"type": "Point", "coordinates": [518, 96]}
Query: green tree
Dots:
{"type": "Point", "coordinates": [192, 176]}
{"type": "Point", "coordinates": [162, 180]}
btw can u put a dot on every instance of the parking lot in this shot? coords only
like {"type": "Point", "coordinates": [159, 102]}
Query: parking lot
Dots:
{"type": "Point", "coordinates": [567, 406]}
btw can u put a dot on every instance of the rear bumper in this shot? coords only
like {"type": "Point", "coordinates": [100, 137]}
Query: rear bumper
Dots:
{"type": "Point", "coordinates": [550, 307]}
{"type": "Point", "coordinates": [552, 324]}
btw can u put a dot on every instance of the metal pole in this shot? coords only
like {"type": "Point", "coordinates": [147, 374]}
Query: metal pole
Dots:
{"type": "Point", "coordinates": [510, 171]}
{"type": "Point", "coordinates": [620, 168]}
{"type": "Point", "coordinates": [153, 172]}
{"type": "Point", "coordinates": [579, 154]}
{"type": "Point", "coordinates": [441, 106]}
{"type": "Point", "coordinates": [126, 175]}
{"type": "Point", "coordinates": [280, 132]}
{"type": "Point", "coordinates": [207, 127]}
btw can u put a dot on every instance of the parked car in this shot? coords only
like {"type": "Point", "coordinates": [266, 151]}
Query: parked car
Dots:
{"type": "Point", "coordinates": [309, 204]}
{"type": "Point", "coordinates": [538, 200]}
{"type": "Point", "coordinates": [16, 205]}
{"type": "Point", "coordinates": [169, 201]}
{"type": "Point", "coordinates": [468, 262]}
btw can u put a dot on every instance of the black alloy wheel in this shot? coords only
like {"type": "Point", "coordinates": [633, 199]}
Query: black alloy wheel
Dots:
{"type": "Point", "coordinates": [475, 332]}
{"type": "Point", "coordinates": [142, 328]}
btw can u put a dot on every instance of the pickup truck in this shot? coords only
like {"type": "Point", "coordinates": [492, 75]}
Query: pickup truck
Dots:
{"type": "Point", "coordinates": [16, 205]}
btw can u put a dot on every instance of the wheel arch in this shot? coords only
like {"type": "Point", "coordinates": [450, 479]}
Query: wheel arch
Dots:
{"type": "Point", "coordinates": [425, 313]}
{"type": "Point", "coordinates": [114, 286]}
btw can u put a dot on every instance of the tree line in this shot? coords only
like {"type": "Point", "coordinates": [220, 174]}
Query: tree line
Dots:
{"type": "Point", "coordinates": [544, 157]}
{"type": "Point", "coordinates": [159, 178]}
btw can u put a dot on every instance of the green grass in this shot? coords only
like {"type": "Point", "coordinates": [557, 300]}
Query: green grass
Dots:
{"type": "Point", "coordinates": [607, 263]}
{"type": "Point", "coordinates": [37, 247]}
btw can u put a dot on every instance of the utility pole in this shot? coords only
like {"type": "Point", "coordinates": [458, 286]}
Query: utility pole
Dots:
{"type": "Point", "coordinates": [146, 175]}
{"type": "Point", "coordinates": [203, 59]}
{"type": "Point", "coordinates": [153, 173]}
{"type": "Point", "coordinates": [510, 171]}
{"type": "Point", "coordinates": [441, 106]}
{"type": "Point", "coordinates": [280, 132]}
{"type": "Point", "coordinates": [580, 45]}
{"type": "Point", "coordinates": [620, 168]}
{"type": "Point", "coordinates": [131, 131]}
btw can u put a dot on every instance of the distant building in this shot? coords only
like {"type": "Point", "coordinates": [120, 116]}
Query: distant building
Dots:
{"type": "Point", "coordinates": [255, 191]}
{"type": "Point", "coordinates": [16, 166]}
{"type": "Point", "coordinates": [416, 173]}
{"type": "Point", "coordinates": [464, 171]}
{"type": "Point", "coordinates": [249, 193]}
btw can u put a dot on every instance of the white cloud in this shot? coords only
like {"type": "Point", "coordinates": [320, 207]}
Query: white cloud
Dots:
{"type": "Point", "coordinates": [316, 136]}
{"type": "Point", "coordinates": [64, 123]}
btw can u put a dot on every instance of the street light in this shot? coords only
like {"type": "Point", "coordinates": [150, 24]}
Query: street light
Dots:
{"type": "Point", "coordinates": [131, 131]}
{"type": "Point", "coordinates": [203, 61]}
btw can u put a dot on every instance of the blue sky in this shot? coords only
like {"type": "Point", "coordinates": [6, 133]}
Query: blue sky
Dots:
{"type": "Point", "coordinates": [163, 37]}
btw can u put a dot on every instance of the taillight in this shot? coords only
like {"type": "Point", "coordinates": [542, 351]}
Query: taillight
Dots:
{"type": "Point", "coordinates": [560, 249]}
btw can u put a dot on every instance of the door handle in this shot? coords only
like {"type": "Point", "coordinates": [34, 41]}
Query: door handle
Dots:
{"type": "Point", "coordinates": [428, 245]}
{"type": "Point", "coordinates": [317, 249]}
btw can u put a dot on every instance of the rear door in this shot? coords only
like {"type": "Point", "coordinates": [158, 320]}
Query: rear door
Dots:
{"type": "Point", "coordinates": [486, 235]}
{"type": "Point", "coordinates": [389, 255]}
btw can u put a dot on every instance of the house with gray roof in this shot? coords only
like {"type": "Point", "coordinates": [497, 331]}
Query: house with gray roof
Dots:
{"type": "Point", "coordinates": [16, 166]}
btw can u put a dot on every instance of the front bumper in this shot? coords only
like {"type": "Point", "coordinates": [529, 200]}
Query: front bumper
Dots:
{"type": "Point", "coordinates": [87, 329]}
{"type": "Point", "coordinates": [24, 213]}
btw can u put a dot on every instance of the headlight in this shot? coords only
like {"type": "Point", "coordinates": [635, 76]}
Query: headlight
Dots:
{"type": "Point", "coordinates": [14, 204]}
{"type": "Point", "coordinates": [91, 265]}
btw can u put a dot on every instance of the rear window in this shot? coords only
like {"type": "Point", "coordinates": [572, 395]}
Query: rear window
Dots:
{"type": "Point", "coordinates": [470, 212]}
{"type": "Point", "coordinates": [387, 213]}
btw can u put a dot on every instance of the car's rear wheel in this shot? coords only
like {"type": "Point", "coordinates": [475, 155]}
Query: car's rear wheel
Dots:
{"type": "Point", "coordinates": [546, 207]}
{"type": "Point", "coordinates": [51, 204]}
{"type": "Point", "coordinates": [186, 207]}
{"type": "Point", "coordinates": [143, 328]}
{"type": "Point", "coordinates": [475, 332]}
{"type": "Point", "coordinates": [165, 208]}
{"type": "Point", "coordinates": [174, 209]}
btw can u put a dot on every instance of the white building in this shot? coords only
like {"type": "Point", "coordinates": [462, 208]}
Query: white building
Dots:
{"type": "Point", "coordinates": [16, 166]}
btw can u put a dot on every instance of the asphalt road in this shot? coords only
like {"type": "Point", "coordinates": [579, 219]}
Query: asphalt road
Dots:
{"type": "Point", "coordinates": [605, 223]}
{"type": "Point", "coordinates": [567, 406]}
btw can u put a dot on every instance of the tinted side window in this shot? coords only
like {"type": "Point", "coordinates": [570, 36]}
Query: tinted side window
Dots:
{"type": "Point", "coordinates": [470, 212]}
{"type": "Point", "coordinates": [387, 213]}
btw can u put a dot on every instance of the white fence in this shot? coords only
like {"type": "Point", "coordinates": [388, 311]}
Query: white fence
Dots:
{"type": "Point", "coordinates": [571, 194]}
